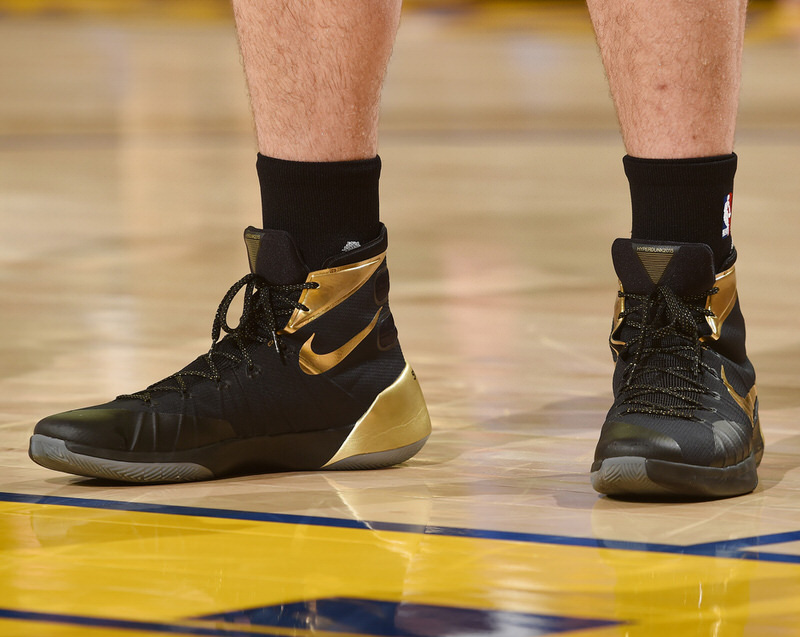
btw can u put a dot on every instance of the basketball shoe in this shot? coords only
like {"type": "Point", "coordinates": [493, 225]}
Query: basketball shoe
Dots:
{"type": "Point", "coordinates": [685, 414]}
{"type": "Point", "coordinates": [312, 377]}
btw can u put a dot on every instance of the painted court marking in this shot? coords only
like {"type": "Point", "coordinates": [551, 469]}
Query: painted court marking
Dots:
{"type": "Point", "coordinates": [746, 548]}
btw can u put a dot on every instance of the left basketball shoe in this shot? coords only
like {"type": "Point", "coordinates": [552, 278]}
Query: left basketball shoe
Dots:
{"type": "Point", "coordinates": [312, 377]}
{"type": "Point", "coordinates": [685, 416]}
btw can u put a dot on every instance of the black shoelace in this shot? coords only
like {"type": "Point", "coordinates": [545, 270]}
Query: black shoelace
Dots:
{"type": "Point", "coordinates": [664, 375]}
{"type": "Point", "coordinates": [265, 310]}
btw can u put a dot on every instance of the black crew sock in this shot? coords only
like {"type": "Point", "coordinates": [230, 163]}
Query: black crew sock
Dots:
{"type": "Point", "coordinates": [687, 200]}
{"type": "Point", "coordinates": [327, 207]}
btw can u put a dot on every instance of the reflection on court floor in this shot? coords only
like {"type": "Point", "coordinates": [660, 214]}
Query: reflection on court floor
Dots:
{"type": "Point", "coordinates": [115, 567]}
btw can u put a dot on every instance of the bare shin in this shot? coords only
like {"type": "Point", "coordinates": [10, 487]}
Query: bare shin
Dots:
{"type": "Point", "coordinates": [674, 70]}
{"type": "Point", "coordinates": [315, 69]}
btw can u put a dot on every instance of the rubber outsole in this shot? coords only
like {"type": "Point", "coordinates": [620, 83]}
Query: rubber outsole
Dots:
{"type": "Point", "coordinates": [636, 476]}
{"type": "Point", "coordinates": [54, 454]}
{"type": "Point", "coordinates": [377, 459]}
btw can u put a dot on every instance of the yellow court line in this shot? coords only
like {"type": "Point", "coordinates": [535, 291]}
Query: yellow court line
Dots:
{"type": "Point", "coordinates": [160, 567]}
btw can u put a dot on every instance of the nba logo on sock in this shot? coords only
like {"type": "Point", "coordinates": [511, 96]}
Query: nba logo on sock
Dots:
{"type": "Point", "coordinates": [726, 215]}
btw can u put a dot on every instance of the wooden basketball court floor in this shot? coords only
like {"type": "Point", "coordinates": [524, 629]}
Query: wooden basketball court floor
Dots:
{"type": "Point", "coordinates": [126, 178]}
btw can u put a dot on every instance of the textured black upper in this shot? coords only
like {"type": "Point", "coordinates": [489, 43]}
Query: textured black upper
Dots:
{"type": "Point", "coordinates": [250, 383]}
{"type": "Point", "coordinates": [671, 401]}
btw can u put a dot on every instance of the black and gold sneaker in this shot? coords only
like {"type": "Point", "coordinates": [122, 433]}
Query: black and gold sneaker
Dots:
{"type": "Point", "coordinates": [685, 415]}
{"type": "Point", "coordinates": [312, 377]}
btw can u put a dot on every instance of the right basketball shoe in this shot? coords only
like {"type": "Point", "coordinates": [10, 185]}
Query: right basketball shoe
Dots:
{"type": "Point", "coordinates": [685, 414]}
{"type": "Point", "coordinates": [312, 377]}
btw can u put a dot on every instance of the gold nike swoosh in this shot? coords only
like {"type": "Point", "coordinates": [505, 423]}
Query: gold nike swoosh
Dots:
{"type": "Point", "coordinates": [312, 363]}
{"type": "Point", "coordinates": [747, 403]}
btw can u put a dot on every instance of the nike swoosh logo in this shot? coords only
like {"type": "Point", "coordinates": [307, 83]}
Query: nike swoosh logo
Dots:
{"type": "Point", "coordinates": [312, 363]}
{"type": "Point", "coordinates": [747, 403]}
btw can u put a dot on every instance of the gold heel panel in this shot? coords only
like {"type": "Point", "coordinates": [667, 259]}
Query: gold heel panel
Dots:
{"type": "Point", "coordinates": [397, 419]}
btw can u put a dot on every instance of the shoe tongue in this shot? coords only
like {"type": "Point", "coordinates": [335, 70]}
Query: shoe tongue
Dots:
{"type": "Point", "coordinates": [686, 268]}
{"type": "Point", "coordinates": [274, 256]}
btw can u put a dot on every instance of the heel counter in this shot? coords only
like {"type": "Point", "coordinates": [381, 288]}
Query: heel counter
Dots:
{"type": "Point", "coordinates": [396, 420]}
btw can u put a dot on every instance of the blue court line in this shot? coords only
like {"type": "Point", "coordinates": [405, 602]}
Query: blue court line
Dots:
{"type": "Point", "coordinates": [369, 618]}
{"type": "Point", "coordinates": [382, 618]}
{"type": "Point", "coordinates": [769, 557]}
{"type": "Point", "coordinates": [724, 546]}
{"type": "Point", "coordinates": [127, 624]}
{"type": "Point", "coordinates": [740, 548]}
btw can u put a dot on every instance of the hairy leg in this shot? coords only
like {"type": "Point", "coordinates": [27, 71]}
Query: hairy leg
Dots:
{"type": "Point", "coordinates": [315, 70]}
{"type": "Point", "coordinates": [674, 71]}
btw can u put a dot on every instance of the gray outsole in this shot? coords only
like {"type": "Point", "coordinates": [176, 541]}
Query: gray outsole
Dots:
{"type": "Point", "coordinates": [378, 459]}
{"type": "Point", "coordinates": [626, 475]}
{"type": "Point", "coordinates": [53, 454]}
{"type": "Point", "coordinates": [637, 476]}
